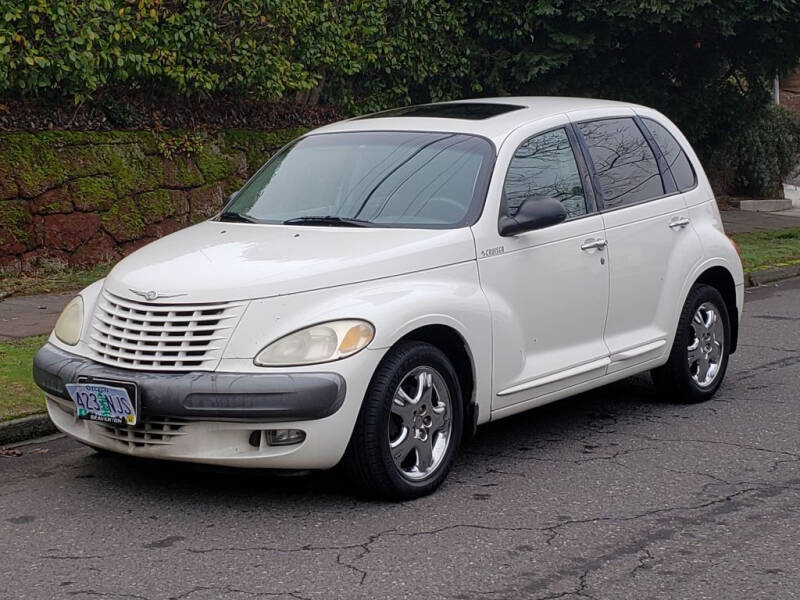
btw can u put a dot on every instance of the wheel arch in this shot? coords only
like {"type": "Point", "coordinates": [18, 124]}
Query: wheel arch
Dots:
{"type": "Point", "coordinates": [455, 347]}
{"type": "Point", "coordinates": [722, 280]}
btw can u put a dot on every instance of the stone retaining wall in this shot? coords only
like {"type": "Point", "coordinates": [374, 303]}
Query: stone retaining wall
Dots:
{"type": "Point", "coordinates": [86, 198]}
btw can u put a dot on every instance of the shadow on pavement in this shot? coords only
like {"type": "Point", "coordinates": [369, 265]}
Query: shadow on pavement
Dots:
{"type": "Point", "coordinates": [562, 422]}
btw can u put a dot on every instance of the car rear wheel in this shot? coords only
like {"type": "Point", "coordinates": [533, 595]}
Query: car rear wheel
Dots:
{"type": "Point", "coordinates": [409, 428]}
{"type": "Point", "coordinates": [699, 356]}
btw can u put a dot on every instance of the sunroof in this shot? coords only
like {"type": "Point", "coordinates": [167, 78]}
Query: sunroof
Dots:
{"type": "Point", "coordinates": [474, 111]}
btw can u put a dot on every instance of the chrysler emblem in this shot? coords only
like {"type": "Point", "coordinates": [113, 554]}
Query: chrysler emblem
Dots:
{"type": "Point", "coordinates": [151, 295]}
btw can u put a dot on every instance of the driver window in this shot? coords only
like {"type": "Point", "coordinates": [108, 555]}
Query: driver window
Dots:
{"type": "Point", "coordinates": [544, 167]}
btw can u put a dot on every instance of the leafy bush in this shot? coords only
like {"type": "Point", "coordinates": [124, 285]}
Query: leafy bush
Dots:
{"type": "Point", "coordinates": [764, 150]}
{"type": "Point", "coordinates": [264, 48]}
{"type": "Point", "coordinates": [419, 55]}
{"type": "Point", "coordinates": [186, 145]}
{"type": "Point", "coordinates": [705, 64]}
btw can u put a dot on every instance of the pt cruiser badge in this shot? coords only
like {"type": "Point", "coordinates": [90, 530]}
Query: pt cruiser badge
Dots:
{"type": "Point", "coordinates": [153, 295]}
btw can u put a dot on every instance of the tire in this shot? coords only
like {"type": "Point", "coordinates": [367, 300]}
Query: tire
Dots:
{"type": "Point", "coordinates": [698, 359]}
{"type": "Point", "coordinates": [410, 425]}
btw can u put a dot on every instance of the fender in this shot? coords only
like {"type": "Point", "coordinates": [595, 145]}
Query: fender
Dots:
{"type": "Point", "coordinates": [695, 274]}
{"type": "Point", "coordinates": [396, 306]}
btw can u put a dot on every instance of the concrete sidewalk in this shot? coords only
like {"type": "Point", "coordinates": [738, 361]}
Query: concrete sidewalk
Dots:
{"type": "Point", "coordinates": [25, 316]}
{"type": "Point", "coordinates": [745, 221]}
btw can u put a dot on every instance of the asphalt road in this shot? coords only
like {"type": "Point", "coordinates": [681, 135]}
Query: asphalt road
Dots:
{"type": "Point", "coordinates": [612, 494]}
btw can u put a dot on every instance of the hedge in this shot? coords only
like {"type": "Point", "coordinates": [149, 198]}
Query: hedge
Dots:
{"type": "Point", "coordinates": [706, 64]}
{"type": "Point", "coordinates": [265, 49]}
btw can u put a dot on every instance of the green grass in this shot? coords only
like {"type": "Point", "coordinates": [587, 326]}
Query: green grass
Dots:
{"type": "Point", "coordinates": [19, 396]}
{"type": "Point", "coordinates": [767, 249]}
{"type": "Point", "coordinates": [50, 280]}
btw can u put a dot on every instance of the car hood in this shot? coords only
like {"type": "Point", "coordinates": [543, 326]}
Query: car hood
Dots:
{"type": "Point", "coordinates": [214, 261]}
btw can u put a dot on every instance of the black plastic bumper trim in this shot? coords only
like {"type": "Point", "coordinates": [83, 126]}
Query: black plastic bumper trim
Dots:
{"type": "Point", "coordinates": [201, 394]}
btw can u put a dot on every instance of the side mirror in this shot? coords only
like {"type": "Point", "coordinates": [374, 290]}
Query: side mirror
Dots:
{"type": "Point", "coordinates": [535, 212]}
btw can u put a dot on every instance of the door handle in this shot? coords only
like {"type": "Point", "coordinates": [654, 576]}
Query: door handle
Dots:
{"type": "Point", "coordinates": [590, 244]}
{"type": "Point", "coordinates": [679, 222]}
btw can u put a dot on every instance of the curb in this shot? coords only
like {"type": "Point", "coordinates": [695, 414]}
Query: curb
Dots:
{"type": "Point", "coordinates": [26, 428]}
{"type": "Point", "coordinates": [764, 276]}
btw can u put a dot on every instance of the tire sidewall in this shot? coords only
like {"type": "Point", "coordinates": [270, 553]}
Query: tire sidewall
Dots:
{"type": "Point", "coordinates": [700, 295]}
{"type": "Point", "coordinates": [416, 355]}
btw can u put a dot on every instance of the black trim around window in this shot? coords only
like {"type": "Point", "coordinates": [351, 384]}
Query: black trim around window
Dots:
{"type": "Point", "coordinates": [667, 179]}
{"type": "Point", "coordinates": [587, 158]}
{"type": "Point", "coordinates": [586, 176]}
{"type": "Point", "coordinates": [695, 180]}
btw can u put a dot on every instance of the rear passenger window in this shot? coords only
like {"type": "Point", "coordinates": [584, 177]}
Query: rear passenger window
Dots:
{"type": "Point", "coordinates": [626, 167]}
{"type": "Point", "coordinates": [676, 158]}
{"type": "Point", "coordinates": [544, 167]}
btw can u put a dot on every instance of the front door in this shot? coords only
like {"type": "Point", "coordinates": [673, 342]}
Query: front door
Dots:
{"type": "Point", "coordinates": [548, 288]}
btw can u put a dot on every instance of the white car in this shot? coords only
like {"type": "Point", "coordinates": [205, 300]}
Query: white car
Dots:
{"type": "Point", "coordinates": [384, 285]}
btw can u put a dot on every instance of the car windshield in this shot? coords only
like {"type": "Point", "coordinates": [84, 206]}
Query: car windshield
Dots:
{"type": "Point", "coordinates": [377, 178]}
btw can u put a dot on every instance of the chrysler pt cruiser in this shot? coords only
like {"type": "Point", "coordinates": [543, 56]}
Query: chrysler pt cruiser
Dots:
{"type": "Point", "coordinates": [384, 285]}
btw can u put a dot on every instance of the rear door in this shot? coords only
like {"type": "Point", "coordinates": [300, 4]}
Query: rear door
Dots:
{"type": "Point", "coordinates": [651, 248]}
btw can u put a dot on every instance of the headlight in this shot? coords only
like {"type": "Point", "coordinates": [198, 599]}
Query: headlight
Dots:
{"type": "Point", "coordinates": [70, 322]}
{"type": "Point", "coordinates": [317, 344]}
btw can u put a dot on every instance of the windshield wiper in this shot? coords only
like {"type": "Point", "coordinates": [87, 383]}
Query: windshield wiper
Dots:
{"type": "Point", "coordinates": [328, 220]}
{"type": "Point", "coordinates": [237, 218]}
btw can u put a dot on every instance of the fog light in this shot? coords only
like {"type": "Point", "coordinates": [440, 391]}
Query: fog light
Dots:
{"type": "Point", "coordinates": [285, 437]}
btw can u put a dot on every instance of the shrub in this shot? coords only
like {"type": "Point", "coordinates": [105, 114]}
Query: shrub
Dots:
{"type": "Point", "coordinates": [262, 48]}
{"type": "Point", "coordinates": [705, 64]}
{"type": "Point", "coordinates": [762, 152]}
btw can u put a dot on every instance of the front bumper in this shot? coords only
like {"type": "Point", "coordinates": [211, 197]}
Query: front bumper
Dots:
{"type": "Point", "coordinates": [211, 417]}
{"type": "Point", "coordinates": [200, 394]}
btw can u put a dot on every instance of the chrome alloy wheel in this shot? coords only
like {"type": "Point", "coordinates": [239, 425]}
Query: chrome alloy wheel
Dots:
{"type": "Point", "coordinates": [420, 423]}
{"type": "Point", "coordinates": [706, 344]}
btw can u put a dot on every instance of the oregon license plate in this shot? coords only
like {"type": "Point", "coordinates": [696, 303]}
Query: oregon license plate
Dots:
{"type": "Point", "coordinates": [106, 403]}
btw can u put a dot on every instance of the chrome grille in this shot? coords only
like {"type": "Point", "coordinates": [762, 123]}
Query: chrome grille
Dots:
{"type": "Point", "coordinates": [163, 337]}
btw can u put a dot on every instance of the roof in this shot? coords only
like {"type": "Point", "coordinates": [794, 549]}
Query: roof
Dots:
{"type": "Point", "coordinates": [493, 118]}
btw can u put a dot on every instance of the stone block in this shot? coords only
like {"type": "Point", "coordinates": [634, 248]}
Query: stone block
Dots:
{"type": "Point", "coordinates": [68, 232]}
{"type": "Point", "coordinates": [55, 201]}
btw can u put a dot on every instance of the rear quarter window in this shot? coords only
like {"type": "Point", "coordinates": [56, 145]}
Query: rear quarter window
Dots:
{"type": "Point", "coordinates": [677, 161]}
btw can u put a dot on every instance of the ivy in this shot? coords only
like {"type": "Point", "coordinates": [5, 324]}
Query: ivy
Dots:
{"type": "Point", "coordinates": [263, 48]}
{"type": "Point", "coordinates": [707, 64]}
{"type": "Point", "coordinates": [186, 145]}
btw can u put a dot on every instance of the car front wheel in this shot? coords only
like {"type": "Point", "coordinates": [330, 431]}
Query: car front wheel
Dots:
{"type": "Point", "coordinates": [409, 428]}
{"type": "Point", "coordinates": [699, 356]}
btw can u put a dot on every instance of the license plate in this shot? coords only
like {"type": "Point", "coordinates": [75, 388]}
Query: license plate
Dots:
{"type": "Point", "coordinates": [106, 403]}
